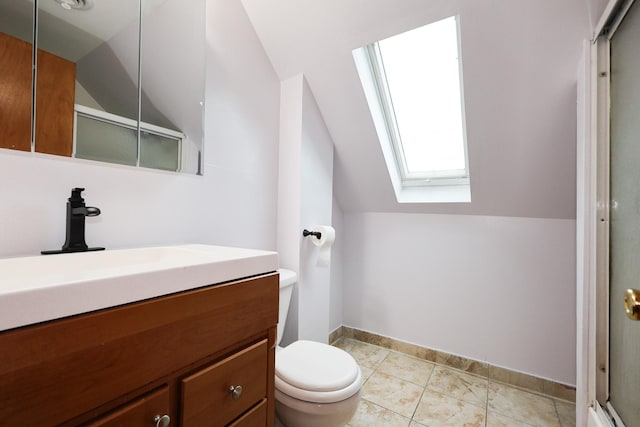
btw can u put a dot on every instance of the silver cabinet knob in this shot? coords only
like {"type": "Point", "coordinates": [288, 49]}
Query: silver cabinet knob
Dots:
{"type": "Point", "coordinates": [236, 391]}
{"type": "Point", "coordinates": [161, 421]}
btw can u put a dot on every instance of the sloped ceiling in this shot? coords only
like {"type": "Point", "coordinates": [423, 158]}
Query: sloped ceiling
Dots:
{"type": "Point", "coordinates": [520, 62]}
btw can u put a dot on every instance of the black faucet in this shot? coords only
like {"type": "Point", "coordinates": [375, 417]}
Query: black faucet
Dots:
{"type": "Point", "coordinates": [76, 212]}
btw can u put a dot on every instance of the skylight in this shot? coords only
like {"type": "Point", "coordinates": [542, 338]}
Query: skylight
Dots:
{"type": "Point", "coordinates": [418, 104]}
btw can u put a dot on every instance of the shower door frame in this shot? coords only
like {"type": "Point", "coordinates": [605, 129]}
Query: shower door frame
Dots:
{"type": "Point", "coordinates": [598, 311]}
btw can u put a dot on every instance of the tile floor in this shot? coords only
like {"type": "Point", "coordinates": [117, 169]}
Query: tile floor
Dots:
{"type": "Point", "coordinates": [400, 390]}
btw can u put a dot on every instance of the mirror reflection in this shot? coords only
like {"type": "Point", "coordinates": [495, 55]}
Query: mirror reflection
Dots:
{"type": "Point", "coordinates": [172, 68]}
{"type": "Point", "coordinates": [112, 84]}
{"type": "Point", "coordinates": [87, 56]}
{"type": "Point", "coordinates": [16, 57]}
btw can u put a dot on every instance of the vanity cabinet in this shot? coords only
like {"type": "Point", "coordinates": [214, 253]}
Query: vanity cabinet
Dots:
{"type": "Point", "coordinates": [204, 357]}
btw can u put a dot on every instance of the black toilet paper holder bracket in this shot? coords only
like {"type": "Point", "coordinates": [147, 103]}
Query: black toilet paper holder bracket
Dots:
{"type": "Point", "coordinates": [306, 233]}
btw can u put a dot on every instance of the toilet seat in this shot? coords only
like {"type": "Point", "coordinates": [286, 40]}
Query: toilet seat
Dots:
{"type": "Point", "coordinates": [316, 372]}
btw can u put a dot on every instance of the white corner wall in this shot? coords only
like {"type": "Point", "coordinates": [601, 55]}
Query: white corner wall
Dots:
{"type": "Point", "coordinates": [494, 289]}
{"type": "Point", "coordinates": [316, 209]}
{"type": "Point", "coordinates": [338, 258]}
{"type": "Point", "coordinates": [305, 199]}
{"type": "Point", "coordinates": [289, 170]}
{"type": "Point", "coordinates": [234, 203]}
{"type": "Point", "coordinates": [290, 191]}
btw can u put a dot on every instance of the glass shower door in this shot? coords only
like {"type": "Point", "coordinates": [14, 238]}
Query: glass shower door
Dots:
{"type": "Point", "coordinates": [624, 331]}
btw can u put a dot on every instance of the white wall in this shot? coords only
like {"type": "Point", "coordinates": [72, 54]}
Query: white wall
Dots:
{"type": "Point", "coordinates": [338, 259]}
{"type": "Point", "coordinates": [289, 182]}
{"type": "Point", "coordinates": [233, 204]}
{"type": "Point", "coordinates": [304, 200]}
{"type": "Point", "coordinates": [290, 191]}
{"type": "Point", "coordinates": [493, 289]}
{"type": "Point", "coordinates": [316, 209]}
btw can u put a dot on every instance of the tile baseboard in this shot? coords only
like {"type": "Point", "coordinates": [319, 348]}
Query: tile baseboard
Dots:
{"type": "Point", "coordinates": [483, 369]}
{"type": "Point", "coordinates": [336, 335]}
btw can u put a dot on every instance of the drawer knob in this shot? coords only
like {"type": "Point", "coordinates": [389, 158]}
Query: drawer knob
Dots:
{"type": "Point", "coordinates": [236, 391]}
{"type": "Point", "coordinates": [161, 421]}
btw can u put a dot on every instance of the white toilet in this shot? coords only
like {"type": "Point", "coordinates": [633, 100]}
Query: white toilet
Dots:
{"type": "Point", "coordinates": [317, 385]}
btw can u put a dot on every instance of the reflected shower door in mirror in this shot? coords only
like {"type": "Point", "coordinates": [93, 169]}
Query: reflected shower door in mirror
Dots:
{"type": "Point", "coordinates": [112, 85]}
{"type": "Point", "coordinates": [87, 56]}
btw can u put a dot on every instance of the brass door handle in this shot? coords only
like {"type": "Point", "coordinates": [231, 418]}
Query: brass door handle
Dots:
{"type": "Point", "coordinates": [632, 304]}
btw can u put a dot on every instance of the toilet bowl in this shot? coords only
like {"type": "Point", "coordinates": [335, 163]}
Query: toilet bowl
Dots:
{"type": "Point", "coordinates": [316, 385]}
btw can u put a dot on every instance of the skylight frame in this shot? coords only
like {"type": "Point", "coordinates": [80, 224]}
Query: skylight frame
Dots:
{"type": "Point", "coordinates": [425, 178]}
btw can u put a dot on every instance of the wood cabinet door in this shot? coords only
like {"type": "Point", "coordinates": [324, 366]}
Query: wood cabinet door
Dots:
{"type": "Point", "coordinates": [138, 413]}
{"type": "Point", "coordinates": [15, 96]}
{"type": "Point", "coordinates": [55, 104]}
{"type": "Point", "coordinates": [55, 99]}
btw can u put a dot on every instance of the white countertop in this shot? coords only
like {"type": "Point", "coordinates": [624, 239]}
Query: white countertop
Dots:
{"type": "Point", "coordinates": [40, 288]}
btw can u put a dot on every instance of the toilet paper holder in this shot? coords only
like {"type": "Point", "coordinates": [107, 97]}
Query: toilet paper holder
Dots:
{"type": "Point", "coordinates": [306, 233]}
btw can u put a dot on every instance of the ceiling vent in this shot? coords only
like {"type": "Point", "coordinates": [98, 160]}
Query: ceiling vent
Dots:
{"type": "Point", "coordinates": [75, 4]}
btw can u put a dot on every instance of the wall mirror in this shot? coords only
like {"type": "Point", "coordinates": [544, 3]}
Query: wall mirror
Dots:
{"type": "Point", "coordinates": [118, 81]}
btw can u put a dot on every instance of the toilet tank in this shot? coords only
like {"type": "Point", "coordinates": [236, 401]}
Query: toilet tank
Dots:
{"type": "Point", "coordinates": [287, 279]}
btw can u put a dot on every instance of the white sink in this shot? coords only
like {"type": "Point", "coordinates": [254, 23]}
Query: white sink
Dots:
{"type": "Point", "coordinates": [40, 288]}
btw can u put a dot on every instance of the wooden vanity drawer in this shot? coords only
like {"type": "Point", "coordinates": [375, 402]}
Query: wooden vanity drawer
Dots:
{"type": "Point", "coordinates": [207, 400]}
{"type": "Point", "coordinates": [140, 412]}
{"type": "Point", "coordinates": [256, 417]}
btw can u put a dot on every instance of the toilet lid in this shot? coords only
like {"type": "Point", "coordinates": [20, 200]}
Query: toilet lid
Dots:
{"type": "Point", "coordinates": [316, 367]}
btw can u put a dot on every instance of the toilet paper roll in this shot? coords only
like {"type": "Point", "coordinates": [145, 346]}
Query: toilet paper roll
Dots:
{"type": "Point", "coordinates": [327, 237]}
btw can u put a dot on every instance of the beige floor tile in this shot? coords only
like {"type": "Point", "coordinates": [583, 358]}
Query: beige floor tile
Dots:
{"type": "Point", "coordinates": [522, 406]}
{"type": "Point", "coordinates": [438, 410]}
{"type": "Point", "coordinates": [497, 420]}
{"type": "Point", "coordinates": [567, 413]}
{"type": "Point", "coordinates": [367, 355]}
{"type": "Point", "coordinates": [366, 373]}
{"type": "Point", "coordinates": [407, 368]}
{"type": "Point", "coordinates": [392, 393]}
{"type": "Point", "coordinates": [469, 388]}
{"type": "Point", "coordinates": [370, 414]}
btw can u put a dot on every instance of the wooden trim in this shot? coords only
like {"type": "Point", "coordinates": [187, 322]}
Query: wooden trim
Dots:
{"type": "Point", "coordinates": [271, 385]}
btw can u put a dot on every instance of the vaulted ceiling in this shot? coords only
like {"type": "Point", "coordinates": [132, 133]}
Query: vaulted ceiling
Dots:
{"type": "Point", "coordinates": [520, 63]}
